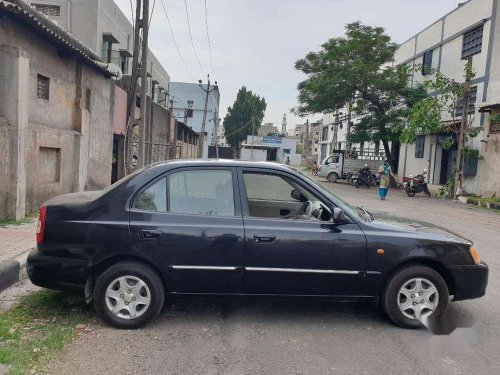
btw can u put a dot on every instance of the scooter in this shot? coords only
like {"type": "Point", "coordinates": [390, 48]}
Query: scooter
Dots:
{"type": "Point", "coordinates": [417, 184]}
{"type": "Point", "coordinates": [364, 177]}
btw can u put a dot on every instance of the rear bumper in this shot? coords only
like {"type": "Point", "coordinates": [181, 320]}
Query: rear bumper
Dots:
{"type": "Point", "coordinates": [57, 273]}
{"type": "Point", "coordinates": [470, 281]}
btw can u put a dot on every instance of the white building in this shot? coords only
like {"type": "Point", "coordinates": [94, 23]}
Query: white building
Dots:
{"type": "Point", "coordinates": [472, 29]}
{"type": "Point", "coordinates": [102, 26]}
{"type": "Point", "coordinates": [270, 148]}
{"type": "Point", "coordinates": [183, 92]}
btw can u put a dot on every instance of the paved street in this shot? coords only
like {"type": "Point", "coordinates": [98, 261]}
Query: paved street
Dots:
{"type": "Point", "coordinates": [211, 336]}
{"type": "Point", "coordinates": [17, 240]}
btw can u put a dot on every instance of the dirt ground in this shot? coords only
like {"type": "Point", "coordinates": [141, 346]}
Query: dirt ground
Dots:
{"type": "Point", "coordinates": [238, 336]}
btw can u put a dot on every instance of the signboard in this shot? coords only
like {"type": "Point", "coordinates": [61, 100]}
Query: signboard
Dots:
{"type": "Point", "coordinates": [272, 139]}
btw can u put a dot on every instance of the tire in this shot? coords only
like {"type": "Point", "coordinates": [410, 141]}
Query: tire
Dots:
{"type": "Point", "coordinates": [333, 177]}
{"type": "Point", "coordinates": [151, 290]}
{"type": "Point", "coordinates": [356, 184]}
{"type": "Point", "coordinates": [390, 296]}
{"type": "Point", "coordinates": [410, 192]}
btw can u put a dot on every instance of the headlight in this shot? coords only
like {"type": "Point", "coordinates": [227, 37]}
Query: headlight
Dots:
{"type": "Point", "coordinates": [475, 254]}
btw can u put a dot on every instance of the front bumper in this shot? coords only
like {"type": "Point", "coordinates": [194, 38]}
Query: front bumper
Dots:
{"type": "Point", "coordinates": [470, 281]}
{"type": "Point", "coordinates": [57, 273]}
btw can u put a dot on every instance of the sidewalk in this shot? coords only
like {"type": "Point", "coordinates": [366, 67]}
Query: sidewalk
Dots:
{"type": "Point", "coordinates": [15, 243]}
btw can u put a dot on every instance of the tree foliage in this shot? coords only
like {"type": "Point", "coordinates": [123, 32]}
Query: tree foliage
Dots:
{"type": "Point", "coordinates": [357, 70]}
{"type": "Point", "coordinates": [246, 113]}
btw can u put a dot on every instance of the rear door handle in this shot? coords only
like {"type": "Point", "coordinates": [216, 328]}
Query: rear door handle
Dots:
{"type": "Point", "coordinates": [149, 234]}
{"type": "Point", "coordinates": [258, 238]}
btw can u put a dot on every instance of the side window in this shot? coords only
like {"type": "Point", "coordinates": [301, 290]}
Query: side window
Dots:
{"type": "Point", "coordinates": [207, 192]}
{"type": "Point", "coordinates": [332, 159]}
{"type": "Point", "coordinates": [154, 198]}
{"type": "Point", "coordinates": [276, 197]}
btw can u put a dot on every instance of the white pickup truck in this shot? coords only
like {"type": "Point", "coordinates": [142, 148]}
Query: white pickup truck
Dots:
{"type": "Point", "coordinates": [337, 165]}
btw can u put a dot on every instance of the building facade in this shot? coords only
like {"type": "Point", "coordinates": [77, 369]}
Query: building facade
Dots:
{"type": "Point", "coordinates": [267, 129]}
{"type": "Point", "coordinates": [270, 148]}
{"type": "Point", "coordinates": [470, 30]}
{"type": "Point", "coordinates": [187, 101]}
{"type": "Point", "coordinates": [57, 111]}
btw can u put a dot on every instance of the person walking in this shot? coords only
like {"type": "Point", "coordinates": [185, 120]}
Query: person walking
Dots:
{"type": "Point", "coordinates": [385, 173]}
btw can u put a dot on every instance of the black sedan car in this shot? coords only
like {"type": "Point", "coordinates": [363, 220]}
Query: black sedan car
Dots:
{"type": "Point", "coordinates": [243, 228]}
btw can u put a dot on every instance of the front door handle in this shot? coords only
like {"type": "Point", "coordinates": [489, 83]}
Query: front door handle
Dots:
{"type": "Point", "coordinates": [258, 238]}
{"type": "Point", "coordinates": [149, 234]}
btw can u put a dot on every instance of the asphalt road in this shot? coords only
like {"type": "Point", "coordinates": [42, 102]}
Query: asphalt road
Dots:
{"type": "Point", "coordinates": [211, 336]}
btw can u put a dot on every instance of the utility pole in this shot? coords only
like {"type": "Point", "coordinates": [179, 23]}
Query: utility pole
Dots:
{"type": "Point", "coordinates": [461, 135]}
{"type": "Point", "coordinates": [144, 79]}
{"type": "Point", "coordinates": [253, 136]}
{"type": "Point", "coordinates": [131, 95]}
{"type": "Point", "coordinates": [207, 91]}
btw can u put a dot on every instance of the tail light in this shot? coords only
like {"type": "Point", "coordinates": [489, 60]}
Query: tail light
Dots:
{"type": "Point", "coordinates": [40, 229]}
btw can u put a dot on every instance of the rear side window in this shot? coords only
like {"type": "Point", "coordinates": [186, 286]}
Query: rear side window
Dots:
{"type": "Point", "coordinates": [154, 198]}
{"type": "Point", "coordinates": [207, 192]}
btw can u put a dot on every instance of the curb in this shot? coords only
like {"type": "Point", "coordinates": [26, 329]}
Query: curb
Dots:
{"type": "Point", "coordinates": [12, 271]}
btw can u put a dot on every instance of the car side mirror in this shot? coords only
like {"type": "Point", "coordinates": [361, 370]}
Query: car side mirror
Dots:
{"type": "Point", "coordinates": [338, 216]}
{"type": "Point", "coordinates": [297, 195]}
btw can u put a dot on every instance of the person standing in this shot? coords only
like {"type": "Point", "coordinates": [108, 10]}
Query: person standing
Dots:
{"type": "Point", "coordinates": [315, 168]}
{"type": "Point", "coordinates": [385, 173]}
{"type": "Point", "coordinates": [287, 162]}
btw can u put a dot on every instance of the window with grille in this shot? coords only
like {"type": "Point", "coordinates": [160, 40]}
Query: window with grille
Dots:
{"type": "Point", "coordinates": [472, 42]}
{"type": "Point", "coordinates": [43, 87]}
{"type": "Point", "coordinates": [324, 136]}
{"type": "Point", "coordinates": [419, 146]}
{"type": "Point", "coordinates": [472, 100]}
{"type": "Point", "coordinates": [48, 10]}
{"type": "Point", "coordinates": [427, 63]}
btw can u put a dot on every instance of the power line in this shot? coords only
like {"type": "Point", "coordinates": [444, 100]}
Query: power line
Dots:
{"type": "Point", "coordinates": [191, 37]}
{"type": "Point", "coordinates": [151, 15]}
{"type": "Point", "coordinates": [173, 38]}
{"type": "Point", "coordinates": [208, 38]}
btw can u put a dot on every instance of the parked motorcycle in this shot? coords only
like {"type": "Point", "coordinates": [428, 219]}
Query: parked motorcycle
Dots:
{"type": "Point", "coordinates": [417, 184]}
{"type": "Point", "coordinates": [364, 177]}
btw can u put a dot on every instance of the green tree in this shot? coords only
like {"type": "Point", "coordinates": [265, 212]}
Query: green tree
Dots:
{"type": "Point", "coordinates": [246, 114]}
{"type": "Point", "coordinates": [356, 71]}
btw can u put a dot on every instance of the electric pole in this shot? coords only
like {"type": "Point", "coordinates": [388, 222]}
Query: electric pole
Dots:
{"type": "Point", "coordinates": [207, 92]}
{"type": "Point", "coordinates": [461, 135]}
{"type": "Point", "coordinates": [253, 129]}
{"type": "Point", "coordinates": [144, 78]}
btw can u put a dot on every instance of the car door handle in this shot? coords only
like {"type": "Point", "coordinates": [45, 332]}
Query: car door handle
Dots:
{"type": "Point", "coordinates": [149, 234]}
{"type": "Point", "coordinates": [258, 238]}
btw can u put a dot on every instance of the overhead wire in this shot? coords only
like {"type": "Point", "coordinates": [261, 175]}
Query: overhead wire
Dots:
{"type": "Point", "coordinates": [191, 37]}
{"type": "Point", "coordinates": [173, 39]}
{"type": "Point", "coordinates": [208, 38]}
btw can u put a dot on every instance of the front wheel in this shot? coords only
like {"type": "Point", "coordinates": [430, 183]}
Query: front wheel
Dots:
{"type": "Point", "coordinates": [333, 177]}
{"type": "Point", "coordinates": [410, 192]}
{"type": "Point", "coordinates": [414, 293]}
{"type": "Point", "coordinates": [128, 295]}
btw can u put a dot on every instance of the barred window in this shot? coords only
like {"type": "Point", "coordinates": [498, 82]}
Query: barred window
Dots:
{"type": "Point", "coordinates": [419, 146]}
{"type": "Point", "coordinates": [427, 63]}
{"type": "Point", "coordinates": [472, 42]}
{"type": "Point", "coordinates": [43, 87]}
{"type": "Point", "coordinates": [472, 100]}
{"type": "Point", "coordinates": [48, 10]}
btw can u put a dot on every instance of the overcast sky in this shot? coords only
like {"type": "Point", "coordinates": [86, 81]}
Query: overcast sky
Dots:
{"type": "Point", "coordinates": [256, 42]}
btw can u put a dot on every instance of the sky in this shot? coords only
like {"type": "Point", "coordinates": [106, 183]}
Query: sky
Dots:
{"type": "Point", "coordinates": [255, 43]}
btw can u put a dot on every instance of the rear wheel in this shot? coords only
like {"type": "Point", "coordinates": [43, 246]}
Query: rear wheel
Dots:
{"type": "Point", "coordinates": [410, 192]}
{"type": "Point", "coordinates": [333, 177]}
{"type": "Point", "coordinates": [128, 295]}
{"type": "Point", "coordinates": [412, 294]}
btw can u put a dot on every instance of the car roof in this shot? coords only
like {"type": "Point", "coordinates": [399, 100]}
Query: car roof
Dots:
{"type": "Point", "coordinates": [220, 163]}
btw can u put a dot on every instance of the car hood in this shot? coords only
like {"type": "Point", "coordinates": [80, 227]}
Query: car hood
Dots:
{"type": "Point", "coordinates": [420, 228]}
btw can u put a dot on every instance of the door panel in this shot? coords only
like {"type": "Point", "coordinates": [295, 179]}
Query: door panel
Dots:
{"type": "Point", "coordinates": [199, 241]}
{"type": "Point", "coordinates": [304, 258]}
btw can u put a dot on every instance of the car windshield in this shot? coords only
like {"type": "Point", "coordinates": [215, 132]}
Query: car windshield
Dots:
{"type": "Point", "coordinates": [347, 207]}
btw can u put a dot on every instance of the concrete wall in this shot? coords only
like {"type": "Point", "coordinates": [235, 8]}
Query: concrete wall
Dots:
{"type": "Point", "coordinates": [68, 138]}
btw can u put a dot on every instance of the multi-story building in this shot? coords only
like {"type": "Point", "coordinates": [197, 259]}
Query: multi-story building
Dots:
{"type": "Point", "coordinates": [470, 30]}
{"type": "Point", "coordinates": [187, 101]}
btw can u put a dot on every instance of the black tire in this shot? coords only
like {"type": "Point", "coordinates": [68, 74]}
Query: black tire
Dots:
{"type": "Point", "coordinates": [389, 295]}
{"type": "Point", "coordinates": [356, 184]}
{"type": "Point", "coordinates": [410, 192]}
{"type": "Point", "coordinates": [333, 177]}
{"type": "Point", "coordinates": [134, 269]}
